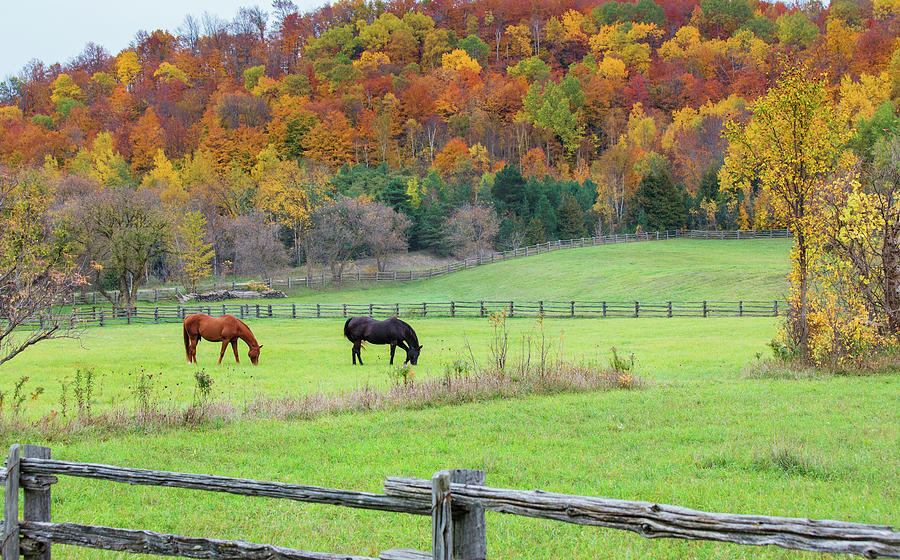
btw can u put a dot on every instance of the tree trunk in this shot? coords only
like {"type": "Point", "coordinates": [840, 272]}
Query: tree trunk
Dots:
{"type": "Point", "coordinates": [890, 262]}
{"type": "Point", "coordinates": [802, 323]}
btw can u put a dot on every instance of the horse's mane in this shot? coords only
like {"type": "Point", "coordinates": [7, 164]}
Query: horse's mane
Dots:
{"type": "Point", "coordinates": [250, 332]}
{"type": "Point", "coordinates": [410, 332]}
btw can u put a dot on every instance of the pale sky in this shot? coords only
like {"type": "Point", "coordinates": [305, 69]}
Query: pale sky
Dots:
{"type": "Point", "coordinates": [57, 31]}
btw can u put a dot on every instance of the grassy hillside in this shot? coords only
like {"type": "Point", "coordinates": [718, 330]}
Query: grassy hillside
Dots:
{"type": "Point", "coordinates": [681, 269]}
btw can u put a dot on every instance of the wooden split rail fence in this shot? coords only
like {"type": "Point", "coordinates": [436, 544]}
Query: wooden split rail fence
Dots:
{"type": "Point", "coordinates": [456, 500]}
{"type": "Point", "coordinates": [324, 279]}
{"type": "Point", "coordinates": [103, 316]}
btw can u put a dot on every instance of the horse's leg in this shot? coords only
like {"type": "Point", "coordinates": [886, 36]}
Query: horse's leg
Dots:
{"type": "Point", "coordinates": [222, 353]}
{"type": "Point", "coordinates": [393, 348]}
{"type": "Point", "coordinates": [357, 346]}
{"type": "Point", "coordinates": [193, 350]}
{"type": "Point", "coordinates": [234, 347]}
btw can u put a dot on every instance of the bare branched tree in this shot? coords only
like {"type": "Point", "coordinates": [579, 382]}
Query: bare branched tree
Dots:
{"type": "Point", "coordinates": [471, 230]}
{"type": "Point", "coordinates": [385, 232]}
{"type": "Point", "coordinates": [120, 232]}
{"type": "Point", "coordinates": [257, 249]}
{"type": "Point", "coordinates": [36, 271]}
{"type": "Point", "coordinates": [349, 227]}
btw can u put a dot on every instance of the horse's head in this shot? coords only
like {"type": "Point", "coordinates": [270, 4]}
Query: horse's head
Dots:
{"type": "Point", "coordinates": [254, 354]}
{"type": "Point", "coordinates": [412, 355]}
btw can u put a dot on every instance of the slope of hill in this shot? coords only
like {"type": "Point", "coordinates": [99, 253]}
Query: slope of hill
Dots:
{"type": "Point", "coordinates": [680, 270]}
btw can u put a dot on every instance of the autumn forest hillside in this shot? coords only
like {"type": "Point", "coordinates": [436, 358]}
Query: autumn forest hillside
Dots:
{"type": "Point", "coordinates": [526, 121]}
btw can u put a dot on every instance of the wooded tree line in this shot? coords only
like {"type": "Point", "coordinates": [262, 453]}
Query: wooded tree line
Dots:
{"type": "Point", "coordinates": [458, 125]}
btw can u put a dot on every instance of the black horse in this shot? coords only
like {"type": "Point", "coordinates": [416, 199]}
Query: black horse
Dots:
{"type": "Point", "coordinates": [391, 331]}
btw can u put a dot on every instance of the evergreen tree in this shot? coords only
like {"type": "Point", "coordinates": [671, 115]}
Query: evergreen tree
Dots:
{"type": "Point", "coordinates": [661, 200]}
{"type": "Point", "coordinates": [394, 195]}
{"type": "Point", "coordinates": [570, 218]}
{"type": "Point", "coordinates": [509, 191]}
{"type": "Point", "coordinates": [535, 232]}
{"type": "Point", "coordinates": [546, 214]}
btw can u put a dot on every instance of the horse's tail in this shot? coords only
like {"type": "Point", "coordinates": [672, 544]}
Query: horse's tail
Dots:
{"type": "Point", "coordinates": [187, 339]}
{"type": "Point", "coordinates": [347, 329]}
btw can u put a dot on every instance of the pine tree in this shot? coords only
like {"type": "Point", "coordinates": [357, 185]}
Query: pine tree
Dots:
{"type": "Point", "coordinates": [571, 218]}
{"type": "Point", "coordinates": [661, 201]}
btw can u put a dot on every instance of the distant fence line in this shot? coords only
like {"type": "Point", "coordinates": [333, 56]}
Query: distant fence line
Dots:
{"type": "Point", "coordinates": [325, 278]}
{"type": "Point", "coordinates": [102, 316]}
{"type": "Point", "coordinates": [455, 499]}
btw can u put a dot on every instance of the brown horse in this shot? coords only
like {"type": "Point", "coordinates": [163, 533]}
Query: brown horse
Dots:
{"type": "Point", "coordinates": [227, 329]}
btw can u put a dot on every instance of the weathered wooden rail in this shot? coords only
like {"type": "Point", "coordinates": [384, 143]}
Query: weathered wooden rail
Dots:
{"type": "Point", "coordinates": [456, 500]}
{"type": "Point", "coordinates": [104, 316]}
{"type": "Point", "coordinates": [326, 279]}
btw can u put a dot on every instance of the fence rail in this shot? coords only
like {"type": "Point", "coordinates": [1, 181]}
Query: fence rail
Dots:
{"type": "Point", "coordinates": [325, 279]}
{"type": "Point", "coordinates": [455, 499]}
{"type": "Point", "coordinates": [104, 316]}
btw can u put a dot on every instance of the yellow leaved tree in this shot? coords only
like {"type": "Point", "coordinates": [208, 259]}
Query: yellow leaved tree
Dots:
{"type": "Point", "coordinates": [288, 193]}
{"type": "Point", "coordinates": [790, 147]}
{"type": "Point", "coordinates": [192, 253]}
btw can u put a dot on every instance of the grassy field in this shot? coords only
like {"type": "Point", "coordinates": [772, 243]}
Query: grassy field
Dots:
{"type": "Point", "coordinates": [700, 434]}
{"type": "Point", "coordinates": [312, 355]}
{"type": "Point", "coordinates": [822, 449]}
{"type": "Point", "coordinates": [680, 270]}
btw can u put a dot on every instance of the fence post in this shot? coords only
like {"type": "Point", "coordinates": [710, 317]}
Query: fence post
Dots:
{"type": "Point", "coordinates": [128, 315]}
{"type": "Point", "coordinates": [242, 311]}
{"type": "Point", "coordinates": [293, 311]}
{"type": "Point", "coordinates": [604, 309]}
{"type": "Point", "coordinates": [572, 308]}
{"type": "Point", "coordinates": [270, 310]}
{"type": "Point", "coordinates": [289, 281]}
{"type": "Point", "coordinates": [424, 309]}
{"type": "Point", "coordinates": [345, 309]}
{"type": "Point", "coordinates": [10, 550]}
{"type": "Point", "coordinates": [637, 309]}
{"type": "Point", "coordinates": [740, 309]}
{"type": "Point", "coordinates": [441, 517]}
{"type": "Point", "coordinates": [775, 308]}
{"type": "Point", "coordinates": [481, 306]}
{"type": "Point", "coordinates": [704, 308]}
{"type": "Point", "coordinates": [670, 309]}
{"type": "Point", "coordinates": [257, 311]}
{"type": "Point", "coordinates": [101, 317]}
{"type": "Point", "coordinates": [156, 314]}
{"type": "Point", "coordinates": [512, 308]}
{"type": "Point", "coordinates": [319, 310]}
{"type": "Point", "coordinates": [370, 309]}
{"type": "Point", "coordinates": [37, 499]}
{"type": "Point", "coordinates": [155, 295]}
{"type": "Point", "coordinates": [453, 309]}
{"type": "Point", "coordinates": [469, 529]}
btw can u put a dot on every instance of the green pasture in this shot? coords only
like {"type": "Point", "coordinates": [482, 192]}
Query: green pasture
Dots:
{"type": "Point", "coordinates": [822, 449]}
{"type": "Point", "coordinates": [679, 270]}
{"type": "Point", "coordinates": [700, 434]}
{"type": "Point", "coordinates": [302, 356]}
